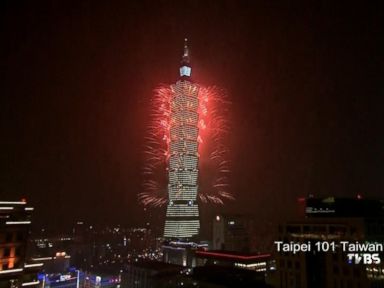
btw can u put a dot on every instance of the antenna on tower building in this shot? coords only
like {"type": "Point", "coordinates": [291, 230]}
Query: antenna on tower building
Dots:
{"type": "Point", "coordinates": [185, 68]}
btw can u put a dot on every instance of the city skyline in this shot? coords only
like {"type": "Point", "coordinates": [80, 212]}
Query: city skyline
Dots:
{"type": "Point", "coordinates": [304, 80]}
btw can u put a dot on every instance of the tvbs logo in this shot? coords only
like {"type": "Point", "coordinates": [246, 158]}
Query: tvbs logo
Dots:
{"type": "Point", "coordinates": [365, 258]}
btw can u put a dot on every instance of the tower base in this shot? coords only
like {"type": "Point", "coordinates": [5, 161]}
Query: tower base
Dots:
{"type": "Point", "coordinates": [181, 253]}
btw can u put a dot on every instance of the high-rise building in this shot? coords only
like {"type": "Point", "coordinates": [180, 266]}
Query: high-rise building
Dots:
{"type": "Point", "coordinates": [332, 220]}
{"type": "Point", "coordinates": [232, 233]}
{"type": "Point", "coordinates": [182, 218]}
{"type": "Point", "coordinates": [15, 220]}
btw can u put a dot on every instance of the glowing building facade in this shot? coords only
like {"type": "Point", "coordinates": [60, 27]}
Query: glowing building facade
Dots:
{"type": "Point", "coordinates": [182, 218]}
{"type": "Point", "coordinates": [15, 222]}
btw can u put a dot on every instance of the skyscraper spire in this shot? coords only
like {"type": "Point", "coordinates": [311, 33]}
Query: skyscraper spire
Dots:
{"type": "Point", "coordinates": [185, 68]}
{"type": "Point", "coordinates": [186, 52]}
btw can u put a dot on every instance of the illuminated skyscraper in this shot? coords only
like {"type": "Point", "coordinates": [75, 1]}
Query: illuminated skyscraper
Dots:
{"type": "Point", "coordinates": [182, 218]}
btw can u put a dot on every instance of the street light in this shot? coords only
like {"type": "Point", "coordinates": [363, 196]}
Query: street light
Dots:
{"type": "Point", "coordinates": [78, 279]}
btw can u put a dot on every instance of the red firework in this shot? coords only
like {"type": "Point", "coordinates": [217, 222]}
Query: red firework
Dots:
{"type": "Point", "coordinates": [213, 162]}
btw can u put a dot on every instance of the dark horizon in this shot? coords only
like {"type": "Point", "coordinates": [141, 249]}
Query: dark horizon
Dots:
{"type": "Point", "coordinates": [305, 82]}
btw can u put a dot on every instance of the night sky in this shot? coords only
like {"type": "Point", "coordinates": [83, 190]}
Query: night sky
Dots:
{"type": "Point", "coordinates": [305, 81]}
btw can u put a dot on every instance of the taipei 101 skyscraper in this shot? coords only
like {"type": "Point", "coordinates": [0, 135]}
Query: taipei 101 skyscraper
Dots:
{"type": "Point", "coordinates": [187, 131]}
{"type": "Point", "coordinates": [182, 218]}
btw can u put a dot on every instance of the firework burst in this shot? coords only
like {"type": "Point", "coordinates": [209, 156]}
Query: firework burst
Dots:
{"type": "Point", "coordinates": [213, 163]}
